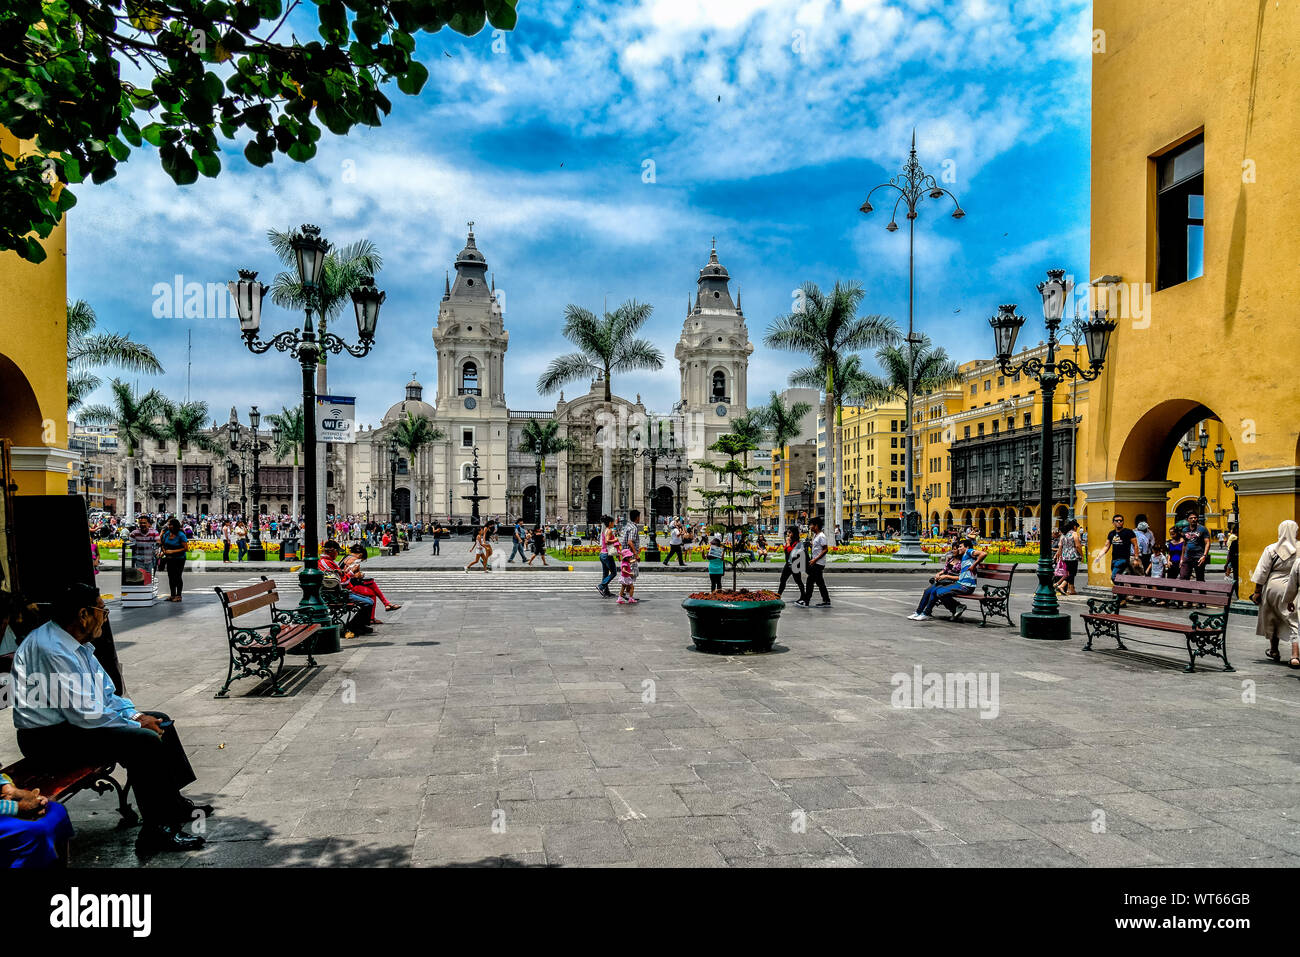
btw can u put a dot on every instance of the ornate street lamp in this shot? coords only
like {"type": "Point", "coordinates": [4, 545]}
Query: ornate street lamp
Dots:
{"type": "Point", "coordinates": [392, 483]}
{"type": "Point", "coordinates": [925, 497]}
{"type": "Point", "coordinates": [880, 507]}
{"type": "Point", "coordinates": [307, 346]}
{"type": "Point", "coordinates": [1201, 464]}
{"type": "Point", "coordinates": [1046, 620]}
{"type": "Point", "coordinates": [654, 451]}
{"type": "Point", "coordinates": [912, 184]}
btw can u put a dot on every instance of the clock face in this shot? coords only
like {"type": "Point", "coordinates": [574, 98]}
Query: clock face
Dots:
{"type": "Point", "coordinates": [470, 402]}
{"type": "Point", "coordinates": [721, 410]}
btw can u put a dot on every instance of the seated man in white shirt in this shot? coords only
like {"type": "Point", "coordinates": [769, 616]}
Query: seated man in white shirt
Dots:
{"type": "Point", "coordinates": [67, 711]}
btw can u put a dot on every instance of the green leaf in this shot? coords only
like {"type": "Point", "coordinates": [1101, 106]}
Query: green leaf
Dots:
{"type": "Point", "coordinates": [71, 169]}
{"type": "Point", "coordinates": [256, 154]}
{"type": "Point", "coordinates": [209, 164]}
{"type": "Point", "coordinates": [301, 152]}
{"type": "Point", "coordinates": [413, 80]}
{"type": "Point", "coordinates": [153, 133]}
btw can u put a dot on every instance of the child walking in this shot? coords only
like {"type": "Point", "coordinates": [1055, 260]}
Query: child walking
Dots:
{"type": "Point", "coordinates": [627, 581]}
{"type": "Point", "coordinates": [717, 565]}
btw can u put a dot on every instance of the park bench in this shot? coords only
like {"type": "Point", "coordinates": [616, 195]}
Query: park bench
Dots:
{"type": "Point", "coordinates": [62, 783]}
{"type": "Point", "coordinates": [256, 648]}
{"type": "Point", "coordinates": [995, 602]}
{"type": "Point", "coordinates": [1205, 633]}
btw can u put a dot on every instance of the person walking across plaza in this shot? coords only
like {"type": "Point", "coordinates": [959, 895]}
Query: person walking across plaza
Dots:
{"type": "Point", "coordinates": [627, 578]}
{"type": "Point", "coordinates": [1196, 550]}
{"type": "Point", "coordinates": [482, 547]}
{"type": "Point", "coordinates": [517, 536]}
{"type": "Point", "coordinates": [174, 544]}
{"type": "Point", "coordinates": [796, 560]}
{"type": "Point", "coordinates": [538, 545]}
{"type": "Point", "coordinates": [675, 544]}
{"type": "Point", "coordinates": [1068, 553]}
{"type": "Point", "coordinates": [609, 552]}
{"type": "Point", "coordinates": [1119, 544]}
{"type": "Point", "coordinates": [816, 567]}
{"type": "Point", "coordinates": [1275, 576]}
{"type": "Point", "coordinates": [630, 538]}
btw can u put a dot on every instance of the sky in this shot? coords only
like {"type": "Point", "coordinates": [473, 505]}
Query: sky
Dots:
{"type": "Point", "coordinates": [599, 148]}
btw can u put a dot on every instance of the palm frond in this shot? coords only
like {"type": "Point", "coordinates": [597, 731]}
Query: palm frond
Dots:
{"type": "Point", "coordinates": [565, 369]}
{"type": "Point", "coordinates": [636, 354]}
{"type": "Point", "coordinates": [113, 349]}
{"type": "Point", "coordinates": [80, 385]}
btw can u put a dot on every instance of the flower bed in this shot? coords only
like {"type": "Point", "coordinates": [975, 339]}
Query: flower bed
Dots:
{"type": "Point", "coordinates": [743, 594]}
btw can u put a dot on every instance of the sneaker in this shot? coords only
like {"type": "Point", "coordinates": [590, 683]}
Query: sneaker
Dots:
{"type": "Point", "coordinates": [924, 618]}
{"type": "Point", "coordinates": [956, 615]}
{"type": "Point", "coordinates": [801, 603]}
{"type": "Point", "coordinates": [601, 592]}
{"type": "Point", "coordinates": [622, 601]}
{"type": "Point", "coordinates": [914, 616]}
{"type": "Point", "coordinates": [823, 604]}
{"type": "Point", "coordinates": [633, 601]}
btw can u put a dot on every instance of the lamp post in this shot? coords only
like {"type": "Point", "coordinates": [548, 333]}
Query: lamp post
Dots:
{"type": "Point", "coordinates": [912, 184]}
{"type": "Point", "coordinates": [307, 346]}
{"type": "Point", "coordinates": [87, 470]}
{"type": "Point", "coordinates": [392, 484]}
{"type": "Point", "coordinates": [679, 473]}
{"type": "Point", "coordinates": [880, 507]}
{"type": "Point", "coordinates": [366, 496]}
{"type": "Point", "coordinates": [852, 494]}
{"type": "Point", "coordinates": [925, 497]}
{"type": "Point", "coordinates": [1201, 464]}
{"type": "Point", "coordinates": [1046, 620]}
{"type": "Point", "coordinates": [654, 451]}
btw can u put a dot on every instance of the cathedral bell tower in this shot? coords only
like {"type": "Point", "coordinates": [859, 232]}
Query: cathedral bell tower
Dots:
{"type": "Point", "coordinates": [713, 351]}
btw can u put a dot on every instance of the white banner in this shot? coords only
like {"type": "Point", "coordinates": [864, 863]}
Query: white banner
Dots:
{"type": "Point", "coordinates": [336, 418]}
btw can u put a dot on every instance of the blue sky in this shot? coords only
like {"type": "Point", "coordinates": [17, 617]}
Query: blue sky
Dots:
{"type": "Point", "coordinates": [766, 121]}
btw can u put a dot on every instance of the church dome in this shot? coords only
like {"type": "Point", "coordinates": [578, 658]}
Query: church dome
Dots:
{"type": "Point", "coordinates": [413, 403]}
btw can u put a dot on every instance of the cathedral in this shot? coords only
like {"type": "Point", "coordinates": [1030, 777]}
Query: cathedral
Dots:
{"type": "Point", "coordinates": [481, 436]}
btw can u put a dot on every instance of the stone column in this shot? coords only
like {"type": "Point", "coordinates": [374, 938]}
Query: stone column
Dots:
{"type": "Point", "coordinates": [1267, 497]}
{"type": "Point", "coordinates": [1105, 500]}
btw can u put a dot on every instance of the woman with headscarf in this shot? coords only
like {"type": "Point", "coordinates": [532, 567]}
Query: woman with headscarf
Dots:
{"type": "Point", "coordinates": [1275, 589]}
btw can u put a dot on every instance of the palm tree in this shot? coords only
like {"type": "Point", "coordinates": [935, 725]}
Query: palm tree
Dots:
{"type": "Point", "coordinates": [931, 370]}
{"type": "Point", "coordinates": [412, 434]}
{"type": "Point", "coordinates": [134, 419]}
{"type": "Point", "coordinates": [540, 439]}
{"type": "Point", "coordinates": [826, 328]}
{"type": "Point", "coordinates": [184, 424]}
{"type": "Point", "coordinates": [88, 349]}
{"type": "Point", "coordinates": [341, 272]}
{"type": "Point", "coordinates": [605, 346]}
{"type": "Point", "coordinates": [290, 422]}
{"type": "Point", "coordinates": [784, 424]}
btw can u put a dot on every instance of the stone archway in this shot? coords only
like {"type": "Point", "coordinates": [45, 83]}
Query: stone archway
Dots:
{"type": "Point", "coordinates": [530, 514]}
{"type": "Point", "coordinates": [594, 501]}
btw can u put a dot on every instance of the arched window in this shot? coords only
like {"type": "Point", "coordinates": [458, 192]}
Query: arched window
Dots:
{"type": "Point", "coordinates": [469, 379]}
{"type": "Point", "coordinates": [329, 479]}
{"type": "Point", "coordinates": [719, 385]}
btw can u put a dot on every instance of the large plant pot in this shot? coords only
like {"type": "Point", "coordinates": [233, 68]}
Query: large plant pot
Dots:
{"type": "Point", "coordinates": [733, 627]}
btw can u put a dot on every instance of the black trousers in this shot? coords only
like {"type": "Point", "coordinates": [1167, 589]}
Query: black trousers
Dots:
{"type": "Point", "coordinates": [158, 767]}
{"type": "Point", "coordinates": [715, 581]}
{"type": "Point", "coordinates": [175, 571]}
{"type": "Point", "coordinates": [225, 551]}
{"type": "Point", "coordinates": [786, 572]}
{"type": "Point", "coordinates": [815, 573]}
{"type": "Point", "coordinates": [674, 550]}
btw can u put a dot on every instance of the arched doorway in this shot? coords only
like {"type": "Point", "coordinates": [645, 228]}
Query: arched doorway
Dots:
{"type": "Point", "coordinates": [530, 515]}
{"type": "Point", "coordinates": [995, 524]}
{"type": "Point", "coordinates": [593, 501]}
{"type": "Point", "coordinates": [967, 520]}
{"type": "Point", "coordinates": [663, 502]}
{"type": "Point", "coordinates": [402, 505]}
{"type": "Point", "coordinates": [1185, 506]}
{"type": "Point", "coordinates": [981, 523]}
{"type": "Point", "coordinates": [947, 521]}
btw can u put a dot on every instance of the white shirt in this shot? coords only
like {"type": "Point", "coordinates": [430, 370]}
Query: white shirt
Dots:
{"type": "Point", "coordinates": [675, 535]}
{"type": "Point", "coordinates": [56, 679]}
{"type": "Point", "coordinates": [819, 543]}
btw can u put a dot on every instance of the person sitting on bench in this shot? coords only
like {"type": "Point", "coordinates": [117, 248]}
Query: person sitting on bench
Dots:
{"type": "Point", "coordinates": [360, 620]}
{"type": "Point", "coordinates": [79, 719]}
{"type": "Point", "coordinates": [964, 585]}
{"type": "Point", "coordinates": [949, 575]}
{"type": "Point", "coordinates": [33, 832]}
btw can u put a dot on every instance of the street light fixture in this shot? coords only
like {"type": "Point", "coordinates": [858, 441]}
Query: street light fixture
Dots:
{"type": "Point", "coordinates": [1046, 621]}
{"type": "Point", "coordinates": [912, 184]}
{"type": "Point", "coordinates": [654, 451]}
{"type": "Point", "coordinates": [1201, 464]}
{"type": "Point", "coordinates": [880, 507]}
{"type": "Point", "coordinates": [307, 346]}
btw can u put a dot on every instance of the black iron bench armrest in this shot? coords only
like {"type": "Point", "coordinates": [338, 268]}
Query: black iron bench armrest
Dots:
{"type": "Point", "coordinates": [1103, 606]}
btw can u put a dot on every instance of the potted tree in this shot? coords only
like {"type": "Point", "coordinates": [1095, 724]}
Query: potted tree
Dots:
{"type": "Point", "coordinates": [735, 620]}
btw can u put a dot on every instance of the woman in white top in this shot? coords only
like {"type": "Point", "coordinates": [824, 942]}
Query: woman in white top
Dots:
{"type": "Point", "coordinates": [1275, 579]}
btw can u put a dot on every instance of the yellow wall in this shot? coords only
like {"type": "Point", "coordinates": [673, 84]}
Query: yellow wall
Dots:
{"type": "Point", "coordinates": [33, 356]}
{"type": "Point", "coordinates": [873, 436]}
{"type": "Point", "coordinates": [1224, 345]}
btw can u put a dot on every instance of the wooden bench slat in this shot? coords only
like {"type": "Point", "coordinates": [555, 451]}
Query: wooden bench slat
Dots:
{"type": "Point", "coordinates": [252, 604]}
{"type": "Point", "coordinates": [1207, 640]}
{"type": "Point", "coordinates": [247, 591]}
{"type": "Point", "coordinates": [1152, 623]}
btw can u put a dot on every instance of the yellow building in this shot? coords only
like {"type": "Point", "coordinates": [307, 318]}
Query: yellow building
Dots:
{"type": "Point", "coordinates": [33, 363]}
{"type": "Point", "coordinates": [1196, 228]}
{"type": "Point", "coordinates": [873, 470]}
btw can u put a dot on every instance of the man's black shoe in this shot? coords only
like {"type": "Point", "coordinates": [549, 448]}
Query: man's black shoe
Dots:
{"type": "Point", "coordinates": [165, 837]}
{"type": "Point", "coordinates": [823, 604]}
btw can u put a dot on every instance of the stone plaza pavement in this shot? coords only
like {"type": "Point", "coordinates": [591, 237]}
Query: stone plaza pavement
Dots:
{"type": "Point", "coordinates": [517, 719]}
